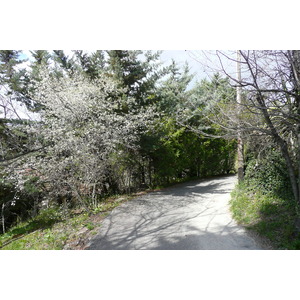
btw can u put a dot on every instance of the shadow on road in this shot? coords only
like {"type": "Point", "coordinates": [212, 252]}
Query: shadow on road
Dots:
{"type": "Point", "coordinates": [198, 240]}
{"type": "Point", "coordinates": [189, 216]}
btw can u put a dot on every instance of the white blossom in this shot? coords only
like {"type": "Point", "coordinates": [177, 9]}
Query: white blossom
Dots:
{"type": "Point", "coordinates": [81, 127]}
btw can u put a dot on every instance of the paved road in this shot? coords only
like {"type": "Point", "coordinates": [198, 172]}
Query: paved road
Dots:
{"type": "Point", "coordinates": [189, 216]}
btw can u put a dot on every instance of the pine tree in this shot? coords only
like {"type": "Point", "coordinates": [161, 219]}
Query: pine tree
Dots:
{"type": "Point", "coordinates": [40, 57]}
{"type": "Point", "coordinates": [137, 75]}
{"type": "Point", "coordinates": [91, 64]}
{"type": "Point", "coordinates": [14, 79]}
{"type": "Point", "coordinates": [174, 90]}
{"type": "Point", "coordinates": [8, 61]}
{"type": "Point", "coordinates": [9, 75]}
{"type": "Point", "coordinates": [63, 63]}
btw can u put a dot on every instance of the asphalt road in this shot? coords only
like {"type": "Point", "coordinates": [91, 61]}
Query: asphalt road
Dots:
{"type": "Point", "coordinates": [189, 216]}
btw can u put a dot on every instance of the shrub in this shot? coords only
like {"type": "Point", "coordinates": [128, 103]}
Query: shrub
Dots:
{"type": "Point", "coordinates": [269, 175]}
{"type": "Point", "coordinates": [264, 201]}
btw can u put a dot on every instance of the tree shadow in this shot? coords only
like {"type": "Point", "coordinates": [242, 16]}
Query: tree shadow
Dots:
{"type": "Point", "coordinates": [195, 240]}
{"type": "Point", "coordinates": [165, 220]}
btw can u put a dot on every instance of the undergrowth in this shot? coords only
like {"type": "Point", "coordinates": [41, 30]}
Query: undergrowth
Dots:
{"type": "Point", "coordinates": [54, 228]}
{"type": "Point", "coordinates": [264, 203]}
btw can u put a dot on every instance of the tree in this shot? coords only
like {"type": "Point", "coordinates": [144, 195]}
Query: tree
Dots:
{"type": "Point", "coordinates": [78, 133]}
{"type": "Point", "coordinates": [92, 64]}
{"type": "Point", "coordinates": [137, 75]}
{"type": "Point", "coordinates": [9, 60]}
{"type": "Point", "coordinates": [41, 59]}
{"type": "Point", "coordinates": [136, 72]}
{"type": "Point", "coordinates": [270, 81]}
{"type": "Point", "coordinates": [63, 64]}
{"type": "Point", "coordinates": [240, 146]}
{"type": "Point", "coordinates": [12, 81]}
{"type": "Point", "coordinates": [173, 90]}
{"type": "Point", "coordinates": [202, 112]}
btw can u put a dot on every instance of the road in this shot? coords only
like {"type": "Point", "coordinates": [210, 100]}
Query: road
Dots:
{"type": "Point", "coordinates": [188, 216]}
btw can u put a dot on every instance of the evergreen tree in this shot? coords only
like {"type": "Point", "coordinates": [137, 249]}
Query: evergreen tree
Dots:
{"type": "Point", "coordinates": [63, 63]}
{"type": "Point", "coordinates": [9, 59]}
{"type": "Point", "coordinates": [40, 57]}
{"type": "Point", "coordinates": [137, 72]}
{"type": "Point", "coordinates": [174, 91]}
{"type": "Point", "coordinates": [92, 64]}
{"type": "Point", "coordinates": [11, 77]}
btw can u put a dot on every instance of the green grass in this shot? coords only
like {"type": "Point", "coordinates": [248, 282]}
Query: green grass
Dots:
{"type": "Point", "coordinates": [34, 235]}
{"type": "Point", "coordinates": [271, 216]}
{"type": "Point", "coordinates": [52, 229]}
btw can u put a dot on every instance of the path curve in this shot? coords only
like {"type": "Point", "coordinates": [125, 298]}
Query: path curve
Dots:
{"type": "Point", "coordinates": [188, 216]}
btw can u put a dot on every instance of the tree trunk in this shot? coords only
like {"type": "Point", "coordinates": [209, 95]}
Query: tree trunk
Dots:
{"type": "Point", "coordinates": [150, 172]}
{"type": "Point", "coordinates": [3, 218]}
{"type": "Point", "coordinates": [283, 147]}
{"type": "Point", "coordinates": [240, 146]}
{"type": "Point", "coordinates": [291, 171]}
{"type": "Point", "coordinates": [296, 73]}
{"type": "Point", "coordinates": [298, 147]}
{"type": "Point", "coordinates": [299, 164]}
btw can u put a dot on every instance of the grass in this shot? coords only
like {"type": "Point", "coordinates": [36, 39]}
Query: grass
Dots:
{"type": "Point", "coordinates": [52, 229]}
{"type": "Point", "coordinates": [271, 216]}
{"type": "Point", "coordinates": [39, 237]}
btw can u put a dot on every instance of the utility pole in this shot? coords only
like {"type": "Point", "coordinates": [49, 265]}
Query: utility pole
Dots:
{"type": "Point", "coordinates": [240, 146]}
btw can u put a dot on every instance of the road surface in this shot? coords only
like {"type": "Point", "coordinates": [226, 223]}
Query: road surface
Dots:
{"type": "Point", "coordinates": [188, 216]}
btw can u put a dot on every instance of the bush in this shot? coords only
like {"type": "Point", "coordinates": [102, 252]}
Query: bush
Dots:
{"type": "Point", "coordinates": [264, 201]}
{"type": "Point", "coordinates": [269, 175]}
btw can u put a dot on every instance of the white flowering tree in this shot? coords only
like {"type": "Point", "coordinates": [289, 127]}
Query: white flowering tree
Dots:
{"type": "Point", "coordinates": [80, 136]}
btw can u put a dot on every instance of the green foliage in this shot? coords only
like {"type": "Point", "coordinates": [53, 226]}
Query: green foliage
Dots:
{"type": "Point", "coordinates": [15, 205]}
{"type": "Point", "coordinates": [92, 65]}
{"type": "Point", "coordinates": [46, 239]}
{"type": "Point", "coordinates": [48, 217]}
{"type": "Point", "coordinates": [12, 77]}
{"type": "Point", "coordinates": [90, 225]}
{"type": "Point", "coordinates": [51, 229]}
{"type": "Point", "coordinates": [173, 93]}
{"type": "Point", "coordinates": [269, 174]}
{"type": "Point", "coordinates": [137, 76]}
{"type": "Point", "coordinates": [8, 61]}
{"type": "Point", "coordinates": [63, 62]}
{"type": "Point", "coordinates": [45, 219]}
{"type": "Point", "coordinates": [175, 152]}
{"type": "Point", "coordinates": [271, 216]}
{"type": "Point", "coordinates": [31, 185]}
{"type": "Point", "coordinates": [264, 201]}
